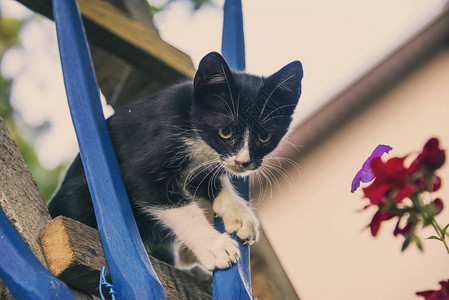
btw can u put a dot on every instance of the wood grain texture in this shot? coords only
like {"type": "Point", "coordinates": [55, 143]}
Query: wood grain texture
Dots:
{"type": "Point", "coordinates": [21, 201]}
{"type": "Point", "coordinates": [74, 254]}
{"type": "Point", "coordinates": [136, 34]}
{"type": "Point", "coordinates": [24, 275]}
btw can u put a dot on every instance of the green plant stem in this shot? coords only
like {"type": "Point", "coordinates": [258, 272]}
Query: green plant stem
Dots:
{"type": "Point", "coordinates": [439, 231]}
{"type": "Point", "coordinates": [419, 206]}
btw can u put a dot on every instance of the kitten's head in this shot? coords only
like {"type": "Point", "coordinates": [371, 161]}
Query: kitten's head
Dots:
{"type": "Point", "coordinates": [241, 116]}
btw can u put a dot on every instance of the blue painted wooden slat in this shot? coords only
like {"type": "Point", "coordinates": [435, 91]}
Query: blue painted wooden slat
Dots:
{"type": "Point", "coordinates": [131, 271]}
{"type": "Point", "coordinates": [233, 41]}
{"type": "Point", "coordinates": [22, 272]}
{"type": "Point", "coordinates": [235, 282]}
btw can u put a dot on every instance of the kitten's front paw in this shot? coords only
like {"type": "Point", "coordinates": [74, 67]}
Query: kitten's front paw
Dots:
{"type": "Point", "coordinates": [243, 223]}
{"type": "Point", "coordinates": [219, 252]}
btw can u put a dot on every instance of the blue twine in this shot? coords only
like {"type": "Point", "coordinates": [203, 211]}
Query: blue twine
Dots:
{"type": "Point", "coordinates": [106, 284]}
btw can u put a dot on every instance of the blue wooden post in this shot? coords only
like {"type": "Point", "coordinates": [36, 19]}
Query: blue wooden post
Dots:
{"type": "Point", "coordinates": [235, 282]}
{"type": "Point", "coordinates": [131, 271]}
{"type": "Point", "coordinates": [233, 41]}
{"type": "Point", "coordinates": [22, 272]}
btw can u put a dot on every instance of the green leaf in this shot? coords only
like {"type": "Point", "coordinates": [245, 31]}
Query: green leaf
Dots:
{"type": "Point", "coordinates": [443, 232]}
{"type": "Point", "coordinates": [406, 243]}
{"type": "Point", "coordinates": [433, 237]}
{"type": "Point", "coordinates": [418, 242]}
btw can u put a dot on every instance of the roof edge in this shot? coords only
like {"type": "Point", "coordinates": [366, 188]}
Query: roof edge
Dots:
{"type": "Point", "coordinates": [368, 88]}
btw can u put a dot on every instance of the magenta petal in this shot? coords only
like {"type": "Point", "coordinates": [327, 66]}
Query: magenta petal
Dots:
{"type": "Point", "coordinates": [356, 181]}
{"type": "Point", "coordinates": [365, 174]}
{"type": "Point", "coordinates": [368, 176]}
{"type": "Point", "coordinates": [380, 150]}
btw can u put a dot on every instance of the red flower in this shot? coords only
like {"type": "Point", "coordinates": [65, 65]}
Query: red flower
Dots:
{"type": "Point", "coordinates": [422, 169]}
{"type": "Point", "coordinates": [390, 176]}
{"type": "Point", "coordinates": [437, 205]}
{"type": "Point", "coordinates": [378, 217]}
{"type": "Point", "coordinates": [441, 294]}
{"type": "Point", "coordinates": [431, 157]}
{"type": "Point", "coordinates": [409, 227]}
{"type": "Point", "coordinates": [393, 182]}
{"type": "Point", "coordinates": [376, 193]}
{"type": "Point", "coordinates": [436, 184]}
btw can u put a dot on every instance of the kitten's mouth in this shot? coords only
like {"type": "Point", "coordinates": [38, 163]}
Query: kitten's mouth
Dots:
{"type": "Point", "coordinates": [240, 170]}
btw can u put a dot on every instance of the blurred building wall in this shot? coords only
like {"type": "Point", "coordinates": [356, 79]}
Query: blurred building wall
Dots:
{"type": "Point", "coordinates": [316, 225]}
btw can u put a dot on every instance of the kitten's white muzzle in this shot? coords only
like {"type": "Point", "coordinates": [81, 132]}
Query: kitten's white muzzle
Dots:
{"type": "Point", "coordinates": [238, 168]}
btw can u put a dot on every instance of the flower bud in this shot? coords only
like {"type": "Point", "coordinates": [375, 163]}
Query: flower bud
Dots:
{"type": "Point", "coordinates": [437, 205]}
{"type": "Point", "coordinates": [432, 156]}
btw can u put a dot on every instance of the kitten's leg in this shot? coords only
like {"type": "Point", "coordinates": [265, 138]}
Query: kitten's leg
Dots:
{"type": "Point", "coordinates": [213, 249]}
{"type": "Point", "coordinates": [237, 215]}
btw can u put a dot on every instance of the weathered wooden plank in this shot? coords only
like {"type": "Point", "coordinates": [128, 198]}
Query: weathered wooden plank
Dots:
{"type": "Point", "coordinates": [74, 254]}
{"type": "Point", "coordinates": [136, 35]}
{"type": "Point", "coordinates": [136, 43]}
{"type": "Point", "coordinates": [21, 201]}
{"type": "Point", "coordinates": [21, 271]}
{"type": "Point", "coordinates": [19, 198]}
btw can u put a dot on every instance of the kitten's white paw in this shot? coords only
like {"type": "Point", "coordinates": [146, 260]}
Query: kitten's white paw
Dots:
{"type": "Point", "coordinates": [243, 223]}
{"type": "Point", "coordinates": [219, 252]}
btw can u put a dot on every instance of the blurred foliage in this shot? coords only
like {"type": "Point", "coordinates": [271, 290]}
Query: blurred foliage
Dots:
{"type": "Point", "coordinates": [197, 4]}
{"type": "Point", "coordinates": [23, 134]}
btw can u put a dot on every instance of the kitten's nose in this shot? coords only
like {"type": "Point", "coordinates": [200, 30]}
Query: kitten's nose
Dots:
{"type": "Point", "coordinates": [242, 164]}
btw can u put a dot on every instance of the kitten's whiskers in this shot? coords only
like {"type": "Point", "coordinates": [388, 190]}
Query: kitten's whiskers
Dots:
{"type": "Point", "coordinates": [206, 176]}
{"type": "Point", "coordinates": [229, 110]}
{"type": "Point", "coordinates": [196, 171]}
{"type": "Point", "coordinates": [229, 89]}
{"type": "Point", "coordinates": [264, 120]}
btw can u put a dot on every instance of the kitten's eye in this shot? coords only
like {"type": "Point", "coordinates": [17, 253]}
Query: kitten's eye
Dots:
{"type": "Point", "coordinates": [225, 133]}
{"type": "Point", "coordinates": [265, 137]}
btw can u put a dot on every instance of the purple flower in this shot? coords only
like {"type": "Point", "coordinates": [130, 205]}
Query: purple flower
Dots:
{"type": "Point", "coordinates": [365, 174]}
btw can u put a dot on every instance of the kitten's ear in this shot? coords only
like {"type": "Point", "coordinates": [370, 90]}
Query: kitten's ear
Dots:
{"type": "Point", "coordinates": [284, 86]}
{"type": "Point", "coordinates": [213, 73]}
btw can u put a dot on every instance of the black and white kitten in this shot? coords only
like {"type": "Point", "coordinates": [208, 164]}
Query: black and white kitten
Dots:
{"type": "Point", "coordinates": [181, 145]}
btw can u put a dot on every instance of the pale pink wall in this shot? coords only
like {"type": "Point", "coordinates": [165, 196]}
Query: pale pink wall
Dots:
{"type": "Point", "coordinates": [315, 225]}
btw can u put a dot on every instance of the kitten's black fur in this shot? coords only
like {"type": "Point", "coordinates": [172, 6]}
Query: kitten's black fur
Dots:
{"type": "Point", "coordinates": [151, 139]}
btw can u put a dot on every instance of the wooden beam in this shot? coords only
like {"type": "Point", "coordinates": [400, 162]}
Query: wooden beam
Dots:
{"type": "Point", "coordinates": [141, 46]}
{"type": "Point", "coordinates": [72, 262]}
{"type": "Point", "coordinates": [21, 201]}
{"type": "Point", "coordinates": [19, 198]}
{"type": "Point", "coordinates": [74, 254]}
{"type": "Point", "coordinates": [136, 36]}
